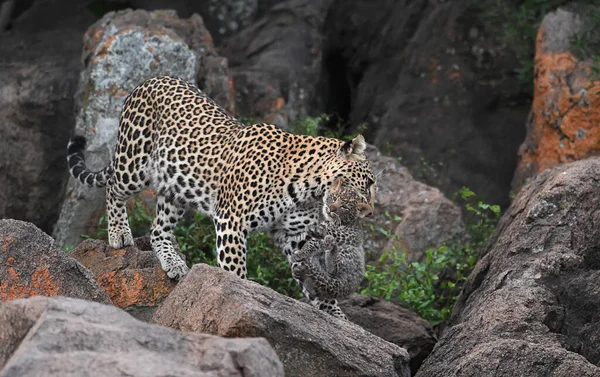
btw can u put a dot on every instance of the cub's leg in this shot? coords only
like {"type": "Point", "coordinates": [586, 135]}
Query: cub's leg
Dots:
{"type": "Point", "coordinates": [167, 216]}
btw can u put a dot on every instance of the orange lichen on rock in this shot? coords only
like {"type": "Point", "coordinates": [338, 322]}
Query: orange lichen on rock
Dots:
{"type": "Point", "coordinates": [130, 277]}
{"type": "Point", "coordinates": [40, 283]}
{"type": "Point", "coordinates": [564, 124]}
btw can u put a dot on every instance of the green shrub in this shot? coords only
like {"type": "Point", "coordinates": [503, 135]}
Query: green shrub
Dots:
{"type": "Point", "coordinates": [431, 287]}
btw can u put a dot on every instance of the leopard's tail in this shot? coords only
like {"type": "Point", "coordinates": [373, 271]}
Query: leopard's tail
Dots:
{"type": "Point", "coordinates": [77, 166]}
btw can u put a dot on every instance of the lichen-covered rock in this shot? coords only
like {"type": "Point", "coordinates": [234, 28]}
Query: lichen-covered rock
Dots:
{"type": "Point", "coordinates": [132, 276]}
{"type": "Point", "coordinates": [121, 51]}
{"type": "Point", "coordinates": [530, 307]}
{"type": "Point", "coordinates": [276, 62]}
{"type": "Point", "coordinates": [565, 114]}
{"type": "Point", "coordinates": [393, 323]}
{"type": "Point", "coordinates": [65, 337]}
{"type": "Point", "coordinates": [308, 341]}
{"type": "Point", "coordinates": [417, 215]}
{"type": "Point", "coordinates": [32, 265]}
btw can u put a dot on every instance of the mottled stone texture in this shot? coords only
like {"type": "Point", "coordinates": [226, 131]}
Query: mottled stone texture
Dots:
{"type": "Point", "coordinates": [308, 341]}
{"type": "Point", "coordinates": [565, 115]}
{"type": "Point", "coordinates": [65, 337]}
{"type": "Point", "coordinates": [31, 264]}
{"type": "Point", "coordinates": [530, 307]}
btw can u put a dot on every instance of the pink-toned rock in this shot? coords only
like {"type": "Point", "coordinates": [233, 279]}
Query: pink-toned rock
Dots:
{"type": "Point", "coordinates": [308, 341]}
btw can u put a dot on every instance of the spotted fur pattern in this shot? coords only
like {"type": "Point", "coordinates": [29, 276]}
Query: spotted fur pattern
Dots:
{"type": "Point", "coordinates": [196, 156]}
{"type": "Point", "coordinates": [333, 266]}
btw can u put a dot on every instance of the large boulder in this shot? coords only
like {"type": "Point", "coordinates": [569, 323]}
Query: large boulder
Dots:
{"type": "Point", "coordinates": [276, 62]}
{"type": "Point", "coordinates": [31, 264]}
{"type": "Point", "coordinates": [65, 337]}
{"type": "Point", "coordinates": [121, 51]}
{"type": "Point", "coordinates": [530, 306]}
{"type": "Point", "coordinates": [393, 323]}
{"type": "Point", "coordinates": [565, 114]}
{"type": "Point", "coordinates": [309, 342]}
{"type": "Point", "coordinates": [40, 60]}
{"type": "Point", "coordinates": [434, 87]}
{"type": "Point", "coordinates": [132, 276]}
{"type": "Point", "coordinates": [415, 215]}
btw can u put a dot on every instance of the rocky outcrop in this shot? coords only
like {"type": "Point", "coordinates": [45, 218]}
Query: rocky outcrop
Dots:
{"type": "Point", "coordinates": [433, 86]}
{"type": "Point", "coordinates": [417, 216]}
{"type": "Point", "coordinates": [565, 114]}
{"type": "Point", "coordinates": [40, 70]}
{"type": "Point", "coordinates": [132, 276]}
{"type": "Point", "coordinates": [529, 307]}
{"type": "Point", "coordinates": [309, 342]}
{"type": "Point", "coordinates": [121, 51]}
{"type": "Point", "coordinates": [393, 323]}
{"type": "Point", "coordinates": [65, 337]}
{"type": "Point", "coordinates": [276, 62]}
{"type": "Point", "coordinates": [31, 264]}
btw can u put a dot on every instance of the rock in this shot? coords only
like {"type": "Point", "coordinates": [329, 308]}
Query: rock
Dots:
{"type": "Point", "coordinates": [528, 307]}
{"type": "Point", "coordinates": [67, 337]}
{"type": "Point", "coordinates": [308, 341]}
{"type": "Point", "coordinates": [40, 70]}
{"type": "Point", "coordinates": [428, 218]}
{"type": "Point", "coordinates": [563, 124]}
{"type": "Point", "coordinates": [450, 106]}
{"type": "Point", "coordinates": [132, 276]}
{"type": "Point", "coordinates": [276, 62]}
{"type": "Point", "coordinates": [31, 264]}
{"type": "Point", "coordinates": [393, 323]}
{"type": "Point", "coordinates": [121, 51]}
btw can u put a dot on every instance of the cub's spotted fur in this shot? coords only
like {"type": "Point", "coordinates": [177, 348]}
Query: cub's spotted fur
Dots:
{"type": "Point", "coordinates": [333, 267]}
{"type": "Point", "coordinates": [246, 178]}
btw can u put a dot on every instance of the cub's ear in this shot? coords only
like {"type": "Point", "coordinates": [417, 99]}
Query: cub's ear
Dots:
{"type": "Point", "coordinates": [364, 210]}
{"type": "Point", "coordinates": [354, 149]}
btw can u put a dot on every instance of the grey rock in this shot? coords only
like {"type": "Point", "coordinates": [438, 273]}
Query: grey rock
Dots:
{"type": "Point", "coordinates": [393, 323]}
{"type": "Point", "coordinates": [121, 51]}
{"type": "Point", "coordinates": [67, 337]}
{"type": "Point", "coordinates": [31, 264]}
{"type": "Point", "coordinates": [40, 69]}
{"type": "Point", "coordinates": [427, 219]}
{"type": "Point", "coordinates": [276, 62]}
{"type": "Point", "coordinates": [308, 341]}
{"type": "Point", "coordinates": [529, 306]}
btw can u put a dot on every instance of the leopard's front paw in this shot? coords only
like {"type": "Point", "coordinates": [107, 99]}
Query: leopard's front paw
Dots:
{"type": "Point", "coordinates": [177, 271]}
{"type": "Point", "coordinates": [119, 237]}
{"type": "Point", "coordinates": [328, 243]}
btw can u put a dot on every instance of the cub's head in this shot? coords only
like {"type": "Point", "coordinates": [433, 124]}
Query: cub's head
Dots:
{"type": "Point", "coordinates": [355, 170]}
{"type": "Point", "coordinates": [345, 205]}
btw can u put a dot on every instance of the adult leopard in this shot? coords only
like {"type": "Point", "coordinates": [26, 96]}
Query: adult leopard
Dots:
{"type": "Point", "coordinates": [246, 178]}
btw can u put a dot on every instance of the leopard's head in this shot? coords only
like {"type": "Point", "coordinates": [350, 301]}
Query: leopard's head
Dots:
{"type": "Point", "coordinates": [345, 205]}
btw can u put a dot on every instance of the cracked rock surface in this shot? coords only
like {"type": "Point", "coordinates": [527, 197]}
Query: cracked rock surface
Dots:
{"type": "Point", "coordinates": [530, 306]}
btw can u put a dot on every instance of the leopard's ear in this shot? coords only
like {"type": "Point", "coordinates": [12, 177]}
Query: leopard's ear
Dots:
{"type": "Point", "coordinates": [354, 149]}
{"type": "Point", "coordinates": [337, 185]}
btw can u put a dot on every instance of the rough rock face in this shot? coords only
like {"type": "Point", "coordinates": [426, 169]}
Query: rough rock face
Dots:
{"type": "Point", "coordinates": [31, 264]}
{"type": "Point", "coordinates": [66, 337]}
{"type": "Point", "coordinates": [428, 217]}
{"type": "Point", "coordinates": [530, 306]}
{"type": "Point", "coordinates": [132, 277]}
{"type": "Point", "coordinates": [433, 87]}
{"type": "Point", "coordinates": [37, 82]}
{"type": "Point", "coordinates": [393, 323]}
{"type": "Point", "coordinates": [309, 342]}
{"type": "Point", "coordinates": [276, 62]}
{"type": "Point", "coordinates": [565, 114]}
{"type": "Point", "coordinates": [121, 51]}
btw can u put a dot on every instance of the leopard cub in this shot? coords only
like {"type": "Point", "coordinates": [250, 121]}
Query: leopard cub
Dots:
{"type": "Point", "coordinates": [331, 264]}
